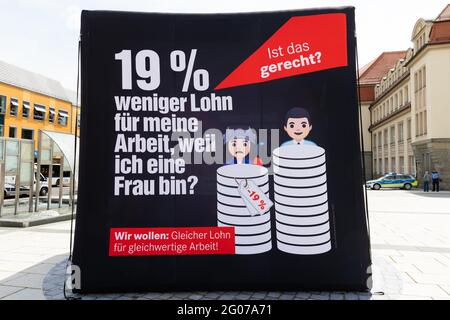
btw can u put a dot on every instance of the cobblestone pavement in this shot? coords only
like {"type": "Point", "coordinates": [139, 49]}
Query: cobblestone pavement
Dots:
{"type": "Point", "coordinates": [410, 249]}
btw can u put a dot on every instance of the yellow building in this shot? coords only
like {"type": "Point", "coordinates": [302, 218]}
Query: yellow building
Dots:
{"type": "Point", "coordinates": [30, 102]}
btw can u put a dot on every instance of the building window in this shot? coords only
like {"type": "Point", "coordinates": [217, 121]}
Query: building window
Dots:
{"type": "Point", "coordinates": [392, 135]}
{"type": "Point", "coordinates": [39, 112]}
{"type": "Point", "coordinates": [1, 131]}
{"type": "Point", "coordinates": [417, 124]}
{"type": "Point", "coordinates": [14, 107]}
{"type": "Point", "coordinates": [412, 165]}
{"type": "Point", "coordinates": [400, 132]}
{"type": "Point", "coordinates": [63, 117]}
{"type": "Point", "coordinates": [424, 86]}
{"type": "Point", "coordinates": [420, 99]}
{"type": "Point", "coordinates": [401, 165]}
{"type": "Point", "coordinates": [408, 129]}
{"type": "Point", "coordinates": [25, 109]}
{"type": "Point", "coordinates": [27, 134]}
{"type": "Point", "coordinates": [393, 165]}
{"type": "Point", "coordinates": [385, 137]}
{"type": "Point", "coordinates": [78, 120]}
{"type": "Point", "coordinates": [2, 104]}
{"type": "Point", "coordinates": [12, 132]}
{"type": "Point", "coordinates": [51, 115]}
{"type": "Point", "coordinates": [386, 165]}
{"type": "Point", "coordinates": [425, 127]}
{"type": "Point", "coordinates": [400, 100]}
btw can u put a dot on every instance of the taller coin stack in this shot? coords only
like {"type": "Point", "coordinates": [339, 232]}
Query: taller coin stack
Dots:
{"type": "Point", "coordinates": [301, 200]}
{"type": "Point", "coordinates": [253, 231]}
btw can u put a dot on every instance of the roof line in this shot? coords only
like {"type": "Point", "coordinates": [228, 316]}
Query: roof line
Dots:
{"type": "Point", "coordinates": [373, 62]}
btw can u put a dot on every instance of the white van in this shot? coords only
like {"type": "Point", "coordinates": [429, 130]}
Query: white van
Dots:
{"type": "Point", "coordinates": [55, 175]}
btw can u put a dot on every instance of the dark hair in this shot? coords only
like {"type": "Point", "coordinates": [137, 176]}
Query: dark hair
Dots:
{"type": "Point", "coordinates": [297, 113]}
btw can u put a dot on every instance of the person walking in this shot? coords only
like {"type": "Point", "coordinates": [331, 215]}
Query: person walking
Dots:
{"type": "Point", "coordinates": [426, 182]}
{"type": "Point", "coordinates": [435, 176]}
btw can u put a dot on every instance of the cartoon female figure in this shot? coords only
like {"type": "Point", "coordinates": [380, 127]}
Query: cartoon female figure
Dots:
{"type": "Point", "coordinates": [239, 143]}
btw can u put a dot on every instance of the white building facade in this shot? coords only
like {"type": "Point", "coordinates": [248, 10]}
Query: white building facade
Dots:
{"type": "Point", "coordinates": [410, 114]}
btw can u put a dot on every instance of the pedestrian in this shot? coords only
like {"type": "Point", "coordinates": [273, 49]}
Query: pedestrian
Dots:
{"type": "Point", "coordinates": [426, 182]}
{"type": "Point", "coordinates": [435, 176]}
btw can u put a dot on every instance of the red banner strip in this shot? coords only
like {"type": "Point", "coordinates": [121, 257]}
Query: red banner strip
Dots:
{"type": "Point", "coordinates": [171, 241]}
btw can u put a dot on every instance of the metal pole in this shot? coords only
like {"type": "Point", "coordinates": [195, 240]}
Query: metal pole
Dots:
{"type": "Point", "coordinates": [32, 177]}
{"type": "Point", "coordinates": [71, 189]}
{"type": "Point", "coordinates": [38, 178]}
{"type": "Point", "coordinates": [2, 175]}
{"type": "Point", "coordinates": [61, 182]}
{"type": "Point", "coordinates": [2, 185]}
{"type": "Point", "coordinates": [16, 198]}
{"type": "Point", "coordinates": [50, 177]}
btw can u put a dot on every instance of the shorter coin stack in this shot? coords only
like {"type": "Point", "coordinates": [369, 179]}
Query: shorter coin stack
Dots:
{"type": "Point", "coordinates": [253, 232]}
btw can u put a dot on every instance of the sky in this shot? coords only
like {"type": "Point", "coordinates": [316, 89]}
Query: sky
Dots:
{"type": "Point", "coordinates": [41, 35]}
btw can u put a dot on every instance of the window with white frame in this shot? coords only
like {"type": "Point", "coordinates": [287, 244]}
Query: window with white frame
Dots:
{"type": "Point", "coordinates": [25, 109]}
{"type": "Point", "coordinates": [13, 107]}
{"type": "Point", "coordinates": [51, 114]}
{"type": "Point", "coordinates": [63, 117]}
{"type": "Point", "coordinates": [39, 112]}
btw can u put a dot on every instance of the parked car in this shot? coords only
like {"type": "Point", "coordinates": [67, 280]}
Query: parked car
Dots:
{"type": "Point", "coordinates": [10, 187]}
{"type": "Point", "coordinates": [393, 180]}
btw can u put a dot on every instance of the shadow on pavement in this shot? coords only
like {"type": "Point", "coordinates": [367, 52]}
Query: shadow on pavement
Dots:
{"type": "Point", "coordinates": [45, 281]}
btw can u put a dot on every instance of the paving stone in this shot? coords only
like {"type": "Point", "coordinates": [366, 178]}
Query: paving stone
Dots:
{"type": "Point", "coordinates": [182, 295]}
{"type": "Point", "coordinates": [7, 290]}
{"type": "Point", "coordinates": [259, 295]}
{"type": "Point", "coordinates": [227, 297]}
{"type": "Point", "coordinates": [424, 290]}
{"type": "Point", "coordinates": [165, 296]}
{"type": "Point", "coordinates": [286, 297]}
{"type": "Point", "coordinates": [26, 294]}
{"type": "Point", "coordinates": [27, 281]}
{"type": "Point", "coordinates": [273, 295]}
{"type": "Point", "coordinates": [212, 295]}
{"type": "Point", "coordinates": [124, 298]}
{"type": "Point", "coordinates": [351, 296]}
{"type": "Point", "coordinates": [303, 295]}
{"type": "Point", "coordinates": [322, 296]}
{"type": "Point", "coordinates": [336, 296]}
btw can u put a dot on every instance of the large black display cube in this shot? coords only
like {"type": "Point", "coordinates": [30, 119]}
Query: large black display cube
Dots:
{"type": "Point", "coordinates": [220, 152]}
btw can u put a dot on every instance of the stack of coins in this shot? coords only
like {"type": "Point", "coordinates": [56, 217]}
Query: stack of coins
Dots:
{"type": "Point", "coordinates": [253, 231]}
{"type": "Point", "coordinates": [301, 200]}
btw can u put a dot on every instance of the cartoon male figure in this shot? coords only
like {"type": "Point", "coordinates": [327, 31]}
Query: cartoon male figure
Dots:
{"type": "Point", "coordinates": [239, 143]}
{"type": "Point", "coordinates": [297, 124]}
